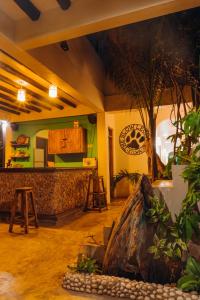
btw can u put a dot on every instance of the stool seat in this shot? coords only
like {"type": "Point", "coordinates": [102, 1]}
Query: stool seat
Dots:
{"type": "Point", "coordinates": [24, 188]}
{"type": "Point", "coordinates": [26, 195]}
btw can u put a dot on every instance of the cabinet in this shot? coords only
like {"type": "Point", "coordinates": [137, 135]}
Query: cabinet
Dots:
{"type": "Point", "coordinates": [68, 140]}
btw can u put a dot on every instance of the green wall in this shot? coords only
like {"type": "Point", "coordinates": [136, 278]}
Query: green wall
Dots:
{"type": "Point", "coordinates": [31, 128]}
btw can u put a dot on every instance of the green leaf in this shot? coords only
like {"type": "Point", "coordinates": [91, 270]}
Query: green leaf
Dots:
{"type": "Point", "coordinates": [193, 267]}
{"type": "Point", "coordinates": [184, 279]}
{"type": "Point", "coordinates": [188, 230]}
{"type": "Point", "coordinates": [152, 249]}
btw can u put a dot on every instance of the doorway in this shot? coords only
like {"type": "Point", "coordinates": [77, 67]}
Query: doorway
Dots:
{"type": "Point", "coordinates": [111, 161]}
{"type": "Point", "coordinates": [41, 152]}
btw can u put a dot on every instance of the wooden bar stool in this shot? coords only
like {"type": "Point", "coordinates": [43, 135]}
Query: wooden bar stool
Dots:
{"type": "Point", "coordinates": [96, 194]}
{"type": "Point", "coordinates": [26, 195]}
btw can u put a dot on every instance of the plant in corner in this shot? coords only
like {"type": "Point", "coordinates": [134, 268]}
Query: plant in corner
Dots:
{"type": "Point", "coordinates": [85, 264]}
{"type": "Point", "coordinates": [191, 279]}
{"type": "Point", "coordinates": [167, 245]}
{"type": "Point", "coordinates": [171, 241]}
{"type": "Point", "coordinates": [187, 222]}
{"type": "Point", "coordinates": [131, 177]}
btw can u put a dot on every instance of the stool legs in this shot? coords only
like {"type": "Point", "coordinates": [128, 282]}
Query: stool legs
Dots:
{"type": "Point", "coordinates": [25, 212]}
{"type": "Point", "coordinates": [34, 209]}
{"type": "Point", "coordinates": [97, 195]}
{"type": "Point", "coordinates": [26, 196]}
{"type": "Point", "coordinates": [22, 212]}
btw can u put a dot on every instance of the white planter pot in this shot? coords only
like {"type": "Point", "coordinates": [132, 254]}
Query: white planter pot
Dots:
{"type": "Point", "coordinates": [177, 171]}
{"type": "Point", "coordinates": [180, 189]}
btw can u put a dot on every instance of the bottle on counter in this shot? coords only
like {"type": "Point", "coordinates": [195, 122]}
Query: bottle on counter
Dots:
{"type": "Point", "coordinates": [76, 124]}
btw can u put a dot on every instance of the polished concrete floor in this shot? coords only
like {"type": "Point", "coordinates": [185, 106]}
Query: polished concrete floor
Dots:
{"type": "Point", "coordinates": [32, 266]}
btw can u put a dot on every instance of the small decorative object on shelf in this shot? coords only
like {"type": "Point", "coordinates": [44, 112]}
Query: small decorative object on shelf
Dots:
{"type": "Point", "coordinates": [21, 141]}
{"type": "Point", "coordinates": [9, 163]}
{"type": "Point", "coordinates": [22, 154]}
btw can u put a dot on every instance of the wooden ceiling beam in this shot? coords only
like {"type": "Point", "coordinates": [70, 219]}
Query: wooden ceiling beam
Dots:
{"type": "Point", "coordinates": [5, 78]}
{"type": "Point", "coordinates": [35, 84]}
{"type": "Point", "coordinates": [39, 104]}
{"type": "Point", "coordinates": [2, 102]}
{"type": "Point", "coordinates": [12, 94]}
{"type": "Point", "coordinates": [67, 102]}
{"type": "Point", "coordinates": [16, 68]}
{"type": "Point", "coordinates": [9, 110]}
{"type": "Point", "coordinates": [64, 4]}
{"type": "Point", "coordinates": [23, 106]}
{"type": "Point", "coordinates": [6, 85]}
{"type": "Point", "coordinates": [13, 100]}
{"type": "Point", "coordinates": [29, 9]}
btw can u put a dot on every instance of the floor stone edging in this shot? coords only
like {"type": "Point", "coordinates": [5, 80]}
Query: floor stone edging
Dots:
{"type": "Point", "coordinates": [123, 288]}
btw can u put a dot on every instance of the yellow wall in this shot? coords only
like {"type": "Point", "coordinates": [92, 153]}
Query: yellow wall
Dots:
{"type": "Point", "coordinates": [132, 163]}
{"type": "Point", "coordinates": [8, 139]}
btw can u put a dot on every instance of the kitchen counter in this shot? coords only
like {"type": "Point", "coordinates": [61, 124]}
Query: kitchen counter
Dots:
{"type": "Point", "coordinates": [57, 191]}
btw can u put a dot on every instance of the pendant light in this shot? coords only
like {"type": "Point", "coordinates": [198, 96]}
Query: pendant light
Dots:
{"type": "Point", "coordinates": [21, 95]}
{"type": "Point", "coordinates": [53, 91]}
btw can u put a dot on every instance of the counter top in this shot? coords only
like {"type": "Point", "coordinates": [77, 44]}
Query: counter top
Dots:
{"type": "Point", "coordinates": [23, 170]}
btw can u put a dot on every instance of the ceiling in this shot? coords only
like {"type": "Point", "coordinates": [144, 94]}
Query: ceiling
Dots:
{"type": "Point", "coordinates": [14, 75]}
{"type": "Point", "coordinates": [12, 10]}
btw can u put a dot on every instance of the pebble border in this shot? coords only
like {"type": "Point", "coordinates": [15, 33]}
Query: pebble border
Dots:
{"type": "Point", "coordinates": [123, 288]}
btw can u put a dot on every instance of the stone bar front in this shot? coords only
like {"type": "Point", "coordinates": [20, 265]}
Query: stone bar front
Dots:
{"type": "Point", "coordinates": [57, 191]}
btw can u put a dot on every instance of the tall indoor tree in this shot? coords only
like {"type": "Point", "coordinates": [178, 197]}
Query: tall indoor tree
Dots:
{"type": "Point", "coordinates": [148, 61]}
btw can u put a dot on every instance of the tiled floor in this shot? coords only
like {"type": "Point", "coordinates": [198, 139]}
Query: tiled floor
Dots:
{"type": "Point", "coordinates": [32, 266]}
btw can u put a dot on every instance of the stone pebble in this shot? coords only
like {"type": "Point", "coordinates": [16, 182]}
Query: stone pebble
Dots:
{"type": "Point", "coordinates": [123, 288]}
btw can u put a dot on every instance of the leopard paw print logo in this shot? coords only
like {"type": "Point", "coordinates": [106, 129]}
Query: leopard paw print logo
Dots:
{"type": "Point", "coordinates": [132, 139]}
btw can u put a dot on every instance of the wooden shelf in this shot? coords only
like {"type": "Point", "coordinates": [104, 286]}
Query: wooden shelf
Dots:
{"type": "Point", "coordinates": [19, 145]}
{"type": "Point", "coordinates": [20, 157]}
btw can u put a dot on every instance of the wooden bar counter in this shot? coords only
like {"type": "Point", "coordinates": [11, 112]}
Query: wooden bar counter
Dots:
{"type": "Point", "coordinates": [57, 191]}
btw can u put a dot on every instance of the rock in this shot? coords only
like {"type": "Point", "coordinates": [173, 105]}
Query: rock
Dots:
{"type": "Point", "coordinates": [100, 292]}
{"type": "Point", "coordinates": [172, 294]}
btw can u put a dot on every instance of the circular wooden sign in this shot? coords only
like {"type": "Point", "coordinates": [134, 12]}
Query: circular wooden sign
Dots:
{"type": "Point", "coordinates": [132, 139]}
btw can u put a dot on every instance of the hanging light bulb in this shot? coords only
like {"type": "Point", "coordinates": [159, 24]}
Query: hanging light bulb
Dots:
{"type": "Point", "coordinates": [53, 91]}
{"type": "Point", "coordinates": [21, 95]}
